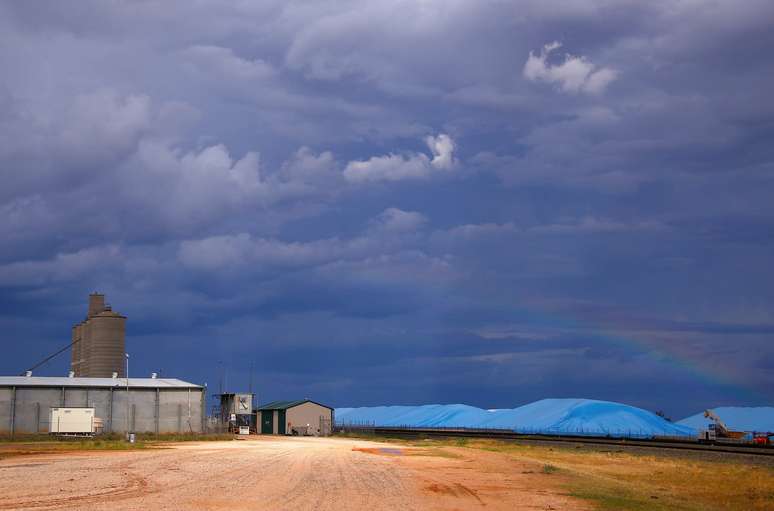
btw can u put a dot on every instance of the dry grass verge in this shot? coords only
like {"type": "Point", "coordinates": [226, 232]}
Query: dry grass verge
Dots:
{"type": "Point", "coordinates": [635, 482]}
{"type": "Point", "coordinates": [622, 481]}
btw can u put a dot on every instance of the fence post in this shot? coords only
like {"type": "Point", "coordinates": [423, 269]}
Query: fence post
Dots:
{"type": "Point", "coordinates": [157, 410]}
{"type": "Point", "coordinates": [204, 409]}
{"type": "Point", "coordinates": [13, 411]}
{"type": "Point", "coordinates": [110, 412]}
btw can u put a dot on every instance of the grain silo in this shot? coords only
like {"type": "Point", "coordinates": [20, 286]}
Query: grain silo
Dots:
{"type": "Point", "coordinates": [99, 342]}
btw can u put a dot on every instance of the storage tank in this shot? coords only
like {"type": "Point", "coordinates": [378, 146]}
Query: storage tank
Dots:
{"type": "Point", "coordinates": [106, 344]}
{"type": "Point", "coordinates": [99, 341]}
{"type": "Point", "coordinates": [96, 304]}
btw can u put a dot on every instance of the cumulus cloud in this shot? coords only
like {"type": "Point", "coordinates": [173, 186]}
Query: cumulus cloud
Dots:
{"type": "Point", "coordinates": [387, 253]}
{"type": "Point", "coordinates": [391, 167]}
{"type": "Point", "coordinates": [229, 251]}
{"type": "Point", "coordinates": [410, 267]}
{"type": "Point", "coordinates": [224, 63]}
{"type": "Point", "coordinates": [397, 220]}
{"type": "Point", "coordinates": [475, 233]}
{"type": "Point", "coordinates": [335, 42]}
{"type": "Point", "coordinates": [591, 224]}
{"type": "Point", "coordinates": [65, 266]}
{"type": "Point", "coordinates": [573, 75]}
{"type": "Point", "coordinates": [397, 167]}
{"type": "Point", "coordinates": [308, 167]}
{"type": "Point", "coordinates": [442, 147]}
{"type": "Point", "coordinates": [203, 183]}
{"type": "Point", "coordinates": [106, 118]}
{"type": "Point", "coordinates": [90, 129]}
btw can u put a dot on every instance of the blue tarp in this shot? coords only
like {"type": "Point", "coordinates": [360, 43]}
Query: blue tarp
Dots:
{"type": "Point", "coordinates": [737, 418]}
{"type": "Point", "coordinates": [585, 417]}
{"type": "Point", "coordinates": [460, 416]}
{"type": "Point", "coordinates": [548, 416]}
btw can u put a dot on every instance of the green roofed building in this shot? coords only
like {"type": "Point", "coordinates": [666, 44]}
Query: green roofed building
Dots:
{"type": "Point", "coordinates": [303, 418]}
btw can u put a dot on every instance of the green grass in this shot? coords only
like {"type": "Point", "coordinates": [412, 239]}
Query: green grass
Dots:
{"type": "Point", "coordinates": [41, 444]}
{"type": "Point", "coordinates": [118, 437]}
{"type": "Point", "coordinates": [24, 437]}
{"type": "Point", "coordinates": [54, 446]}
{"type": "Point", "coordinates": [616, 501]}
{"type": "Point", "coordinates": [186, 437]}
{"type": "Point", "coordinates": [102, 445]}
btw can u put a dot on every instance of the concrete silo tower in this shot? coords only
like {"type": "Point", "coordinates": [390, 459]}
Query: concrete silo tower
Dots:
{"type": "Point", "coordinates": [99, 342]}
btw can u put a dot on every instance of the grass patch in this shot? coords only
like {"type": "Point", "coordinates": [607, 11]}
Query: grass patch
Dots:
{"type": "Point", "coordinates": [19, 438]}
{"type": "Point", "coordinates": [115, 437]}
{"type": "Point", "coordinates": [186, 437]}
{"type": "Point", "coordinates": [53, 446]}
{"type": "Point", "coordinates": [548, 469]}
{"type": "Point", "coordinates": [606, 500]}
{"type": "Point", "coordinates": [101, 445]}
{"type": "Point", "coordinates": [43, 444]}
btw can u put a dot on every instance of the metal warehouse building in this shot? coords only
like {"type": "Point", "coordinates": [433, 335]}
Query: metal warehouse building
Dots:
{"type": "Point", "coordinates": [304, 417]}
{"type": "Point", "coordinates": [154, 405]}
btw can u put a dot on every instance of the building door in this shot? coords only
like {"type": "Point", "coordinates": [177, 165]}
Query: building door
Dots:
{"type": "Point", "coordinates": [281, 420]}
{"type": "Point", "coordinates": [325, 426]}
{"type": "Point", "coordinates": [267, 422]}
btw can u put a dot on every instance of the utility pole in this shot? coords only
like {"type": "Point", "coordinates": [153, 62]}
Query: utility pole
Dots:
{"type": "Point", "coordinates": [251, 378]}
{"type": "Point", "coordinates": [252, 396]}
{"type": "Point", "coordinates": [220, 383]}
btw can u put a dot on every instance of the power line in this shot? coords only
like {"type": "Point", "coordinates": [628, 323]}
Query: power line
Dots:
{"type": "Point", "coordinates": [51, 356]}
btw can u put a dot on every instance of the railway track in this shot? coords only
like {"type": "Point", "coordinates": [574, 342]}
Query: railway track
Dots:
{"type": "Point", "coordinates": [746, 449]}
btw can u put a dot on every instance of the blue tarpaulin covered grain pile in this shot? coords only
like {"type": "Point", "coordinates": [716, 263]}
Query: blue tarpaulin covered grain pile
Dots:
{"type": "Point", "coordinates": [585, 417]}
{"type": "Point", "coordinates": [427, 416]}
{"type": "Point", "coordinates": [737, 418]}
{"type": "Point", "coordinates": [548, 416]}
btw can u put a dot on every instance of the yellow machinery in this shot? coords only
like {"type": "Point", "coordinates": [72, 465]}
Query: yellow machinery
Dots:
{"type": "Point", "coordinates": [718, 429]}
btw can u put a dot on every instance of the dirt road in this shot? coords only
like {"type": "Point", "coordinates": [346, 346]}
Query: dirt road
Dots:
{"type": "Point", "coordinates": [266, 473]}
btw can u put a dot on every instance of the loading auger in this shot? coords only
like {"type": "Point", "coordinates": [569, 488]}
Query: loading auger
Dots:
{"type": "Point", "coordinates": [718, 429]}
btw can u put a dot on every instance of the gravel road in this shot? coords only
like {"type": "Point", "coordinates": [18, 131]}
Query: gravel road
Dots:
{"type": "Point", "coordinates": [266, 473]}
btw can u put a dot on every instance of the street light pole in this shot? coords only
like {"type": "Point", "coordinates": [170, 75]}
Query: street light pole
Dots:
{"type": "Point", "coordinates": [128, 406]}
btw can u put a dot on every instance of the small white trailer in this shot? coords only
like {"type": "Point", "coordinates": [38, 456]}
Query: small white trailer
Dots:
{"type": "Point", "coordinates": [71, 421]}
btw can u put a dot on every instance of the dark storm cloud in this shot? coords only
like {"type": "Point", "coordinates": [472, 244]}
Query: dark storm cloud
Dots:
{"type": "Point", "coordinates": [398, 201]}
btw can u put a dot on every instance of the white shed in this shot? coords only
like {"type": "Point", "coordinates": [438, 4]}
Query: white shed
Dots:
{"type": "Point", "coordinates": [72, 421]}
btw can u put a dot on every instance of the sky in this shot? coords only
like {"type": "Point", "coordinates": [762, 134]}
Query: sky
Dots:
{"type": "Point", "coordinates": [397, 202]}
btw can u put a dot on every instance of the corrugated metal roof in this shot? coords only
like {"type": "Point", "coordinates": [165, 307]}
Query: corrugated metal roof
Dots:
{"type": "Point", "coordinates": [284, 405]}
{"type": "Point", "coordinates": [48, 381]}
